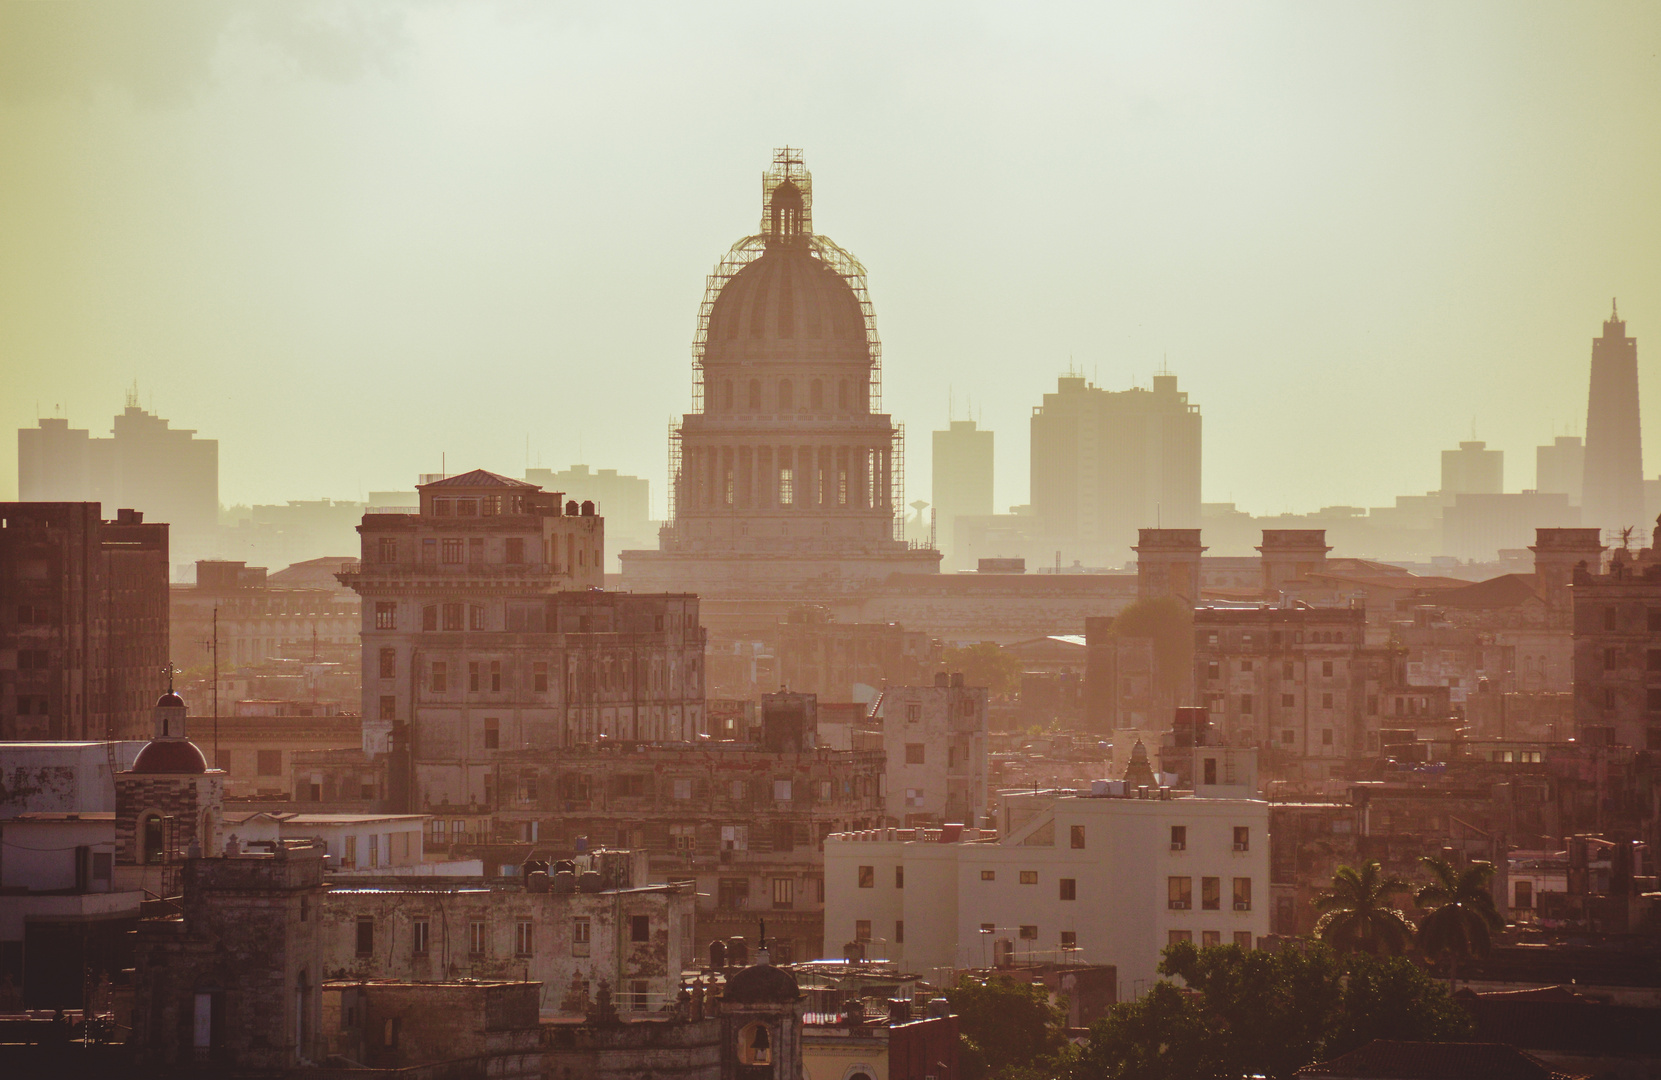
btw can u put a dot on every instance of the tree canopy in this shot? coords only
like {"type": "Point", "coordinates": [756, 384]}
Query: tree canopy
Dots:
{"type": "Point", "coordinates": [1008, 1027]}
{"type": "Point", "coordinates": [1461, 915]}
{"type": "Point", "coordinates": [985, 664]}
{"type": "Point", "coordinates": [1170, 623]}
{"type": "Point", "coordinates": [1358, 916]}
{"type": "Point", "coordinates": [1248, 1013]}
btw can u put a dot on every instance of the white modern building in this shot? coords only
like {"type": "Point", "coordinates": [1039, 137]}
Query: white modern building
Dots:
{"type": "Point", "coordinates": [1108, 876]}
{"type": "Point", "coordinates": [935, 738]}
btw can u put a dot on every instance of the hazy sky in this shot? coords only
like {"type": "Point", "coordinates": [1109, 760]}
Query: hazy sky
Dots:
{"type": "Point", "coordinates": [344, 238]}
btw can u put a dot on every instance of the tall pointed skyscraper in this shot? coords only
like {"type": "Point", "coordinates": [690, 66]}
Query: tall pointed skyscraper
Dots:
{"type": "Point", "coordinates": [1613, 496]}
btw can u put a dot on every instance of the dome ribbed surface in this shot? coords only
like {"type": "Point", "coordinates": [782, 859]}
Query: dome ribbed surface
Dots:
{"type": "Point", "coordinates": [787, 305]}
{"type": "Point", "coordinates": [170, 756]}
{"type": "Point", "coordinates": [170, 700]}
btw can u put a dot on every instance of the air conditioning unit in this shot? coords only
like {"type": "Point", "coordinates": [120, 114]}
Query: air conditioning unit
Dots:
{"type": "Point", "coordinates": [1238, 906]}
{"type": "Point", "coordinates": [1179, 847]}
{"type": "Point", "coordinates": [1242, 847]}
{"type": "Point", "coordinates": [1182, 905]}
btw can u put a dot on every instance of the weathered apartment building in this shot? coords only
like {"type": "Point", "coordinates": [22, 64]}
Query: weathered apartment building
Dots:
{"type": "Point", "coordinates": [934, 740]}
{"type": "Point", "coordinates": [745, 821]}
{"type": "Point", "coordinates": [83, 613]}
{"type": "Point", "coordinates": [485, 631]}
{"type": "Point", "coordinates": [1303, 683]}
{"type": "Point", "coordinates": [1617, 651]}
{"type": "Point", "coordinates": [257, 616]}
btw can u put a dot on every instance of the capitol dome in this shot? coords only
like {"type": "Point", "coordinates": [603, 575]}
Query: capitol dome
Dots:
{"type": "Point", "coordinates": [787, 305]}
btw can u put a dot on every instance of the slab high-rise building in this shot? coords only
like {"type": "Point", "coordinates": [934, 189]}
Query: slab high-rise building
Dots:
{"type": "Point", "coordinates": [1613, 494]}
{"type": "Point", "coordinates": [83, 613]}
{"type": "Point", "coordinates": [962, 477]}
{"type": "Point", "coordinates": [165, 473]}
{"type": "Point", "coordinates": [1560, 468]}
{"type": "Point", "coordinates": [1473, 469]}
{"type": "Point", "coordinates": [1105, 465]}
{"type": "Point", "coordinates": [784, 477]}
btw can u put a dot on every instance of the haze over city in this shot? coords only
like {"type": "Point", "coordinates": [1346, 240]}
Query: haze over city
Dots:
{"type": "Point", "coordinates": [347, 239]}
{"type": "Point", "coordinates": [739, 541]}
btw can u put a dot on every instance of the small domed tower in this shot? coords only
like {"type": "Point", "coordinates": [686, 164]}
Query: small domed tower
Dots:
{"type": "Point", "coordinates": [167, 806]}
{"type": "Point", "coordinates": [761, 1023]}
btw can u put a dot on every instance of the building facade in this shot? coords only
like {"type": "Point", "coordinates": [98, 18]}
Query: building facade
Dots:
{"type": "Point", "coordinates": [1617, 653]}
{"type": "Point", "coordinates": [785, 479]}
{"type": "Point", "coordinates": [1106, 464]}
{"type": "Point", "coordinates": [1081, 878]}
{"type": "Point", "coordinates": [167, 474]}
{"type": "Point", "coordinates": [485, 632]}
{"type": "Point", "coordinates": [935, 740]}
{"type": "Point", "coordinates": [257, 620]}
{"type": "Point", "coordinates": [83, 610]}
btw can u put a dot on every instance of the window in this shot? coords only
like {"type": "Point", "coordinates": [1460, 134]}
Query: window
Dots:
{"type": "Point", "coordinates": [862, 929]}
{"type": "Point", "coordinates": [781, 790]}
{"type": "Point", "coordinates": [476, 939]}
{"type": "Point", "coordinates": [989, 875]}
{"type": "Point", "coordinates": [452, 549]}
{"type": "Point", "coordinates": [1326, 701]}
{"type": "Point", "coordinates": [579, 936]}
{"type": "Point", "coordinates": [1288, 736]}
{"type": "Point", "coordinates": [389, 663]}
{"type": "Point", "coordinates": [682, 788]}
{"type": "Point", "coordinates": [387, 549]}
{"type": "Point", "coordinates": [1209, 938]}
{"type": "Point", "coordinates": [899, 877]}
{"type": "Point", "coordinates": [913, 712]}
{"type": "Point", "coordinates": [1076, 836]}
{"type": "Point", "coordinates": [1212, 670]}
{"type": "Point", "coordinates": [515, 550]}
{"type": "Point", "coordinates": [374, 849]}
{"type": "Point", "coordinates": [1179, 838]}
{"type": "Point", "coordinates": [492, 733]}
{"type": "Point", "coordinates": [475, 617]}
{"type": "Point", "coordinates": [1175, 936]}
{"type": "Point", "coordinates": [733, 894]}
{"type": "Point", "coordinates": [1243, 938]}
{"type": "Point", "coordinates": [1179, 893]}
{"type": "Point", "coordinates": [153, 843]}
{"type": "Point", "coordinates": [784, 893]}
{"type": "Point", "coordinates": [438, 677]}
{"type": "Point", "coordinates": [1242, 894]}
{"type": "Point", "coordinates": [389, 707]}
{"type": "Point", "coordinates": [1288, 670]}
{"type": "Point", "coordinates": [452, 616]}
{"type": "Point", "coordinates": [429, 617]}
{"type": "Point", "coordinates": [914, 753]}
{"type": "Point", "coordinates": [1326, 736]}
{"type": "Point", "coordinates": [1611, 659]}
{"type": "Point", "coordinates": [420, 936]}
{"type": "Point", "coordinates": [787, 486]}
{"type": "Point", "coordinates": [539, 676]}
{"type": "Point", "coordinates": [1245, 665]}
{"type": "Point", "coordinates": [1069, 888]}
{"type": "Point", "coordinates": [524, 938]}
{"type": "Point", "coordinates": [867, 877]}
{"type": "Point", "coordinates": [1245, 704]}
{"type": "Point", "coordinates": [1652, 700]}
{"type": "Point", "coordinates": [1242, 838]}
{"type": "Point", "coordinates": [386, 615]}
{"type": "Point", "coordinates": [637, 994]}
{"type": "Point", "coordinates": [1288, 701]}
{"type": "Point", "coordinates": [1654, 620]}
{"type": "Point", "coordinates": [1326, 669]}
{"type": "Point", "coordinates": [473, 676]}
{"type": "Point", "coordinates": [269, 763]}
{"type": "Point", "coordinates": [366, 935]}
{"type": "Point", "coordinates": [786, 394]}
{"type": "Point", "coordinates": [1029, 877]}
{"type": "Point", "coordinates": [899, 931]}
{"type": "Point", "coordinates": [1211, 893]}
{"type": "Point", "coordinates": [1210, 770]}
{"type": "Point", "coordinates": [1028, 932]}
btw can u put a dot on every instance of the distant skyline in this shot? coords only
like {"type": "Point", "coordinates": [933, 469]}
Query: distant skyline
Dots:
{"type": "Point", "coordinates": [346, 239]}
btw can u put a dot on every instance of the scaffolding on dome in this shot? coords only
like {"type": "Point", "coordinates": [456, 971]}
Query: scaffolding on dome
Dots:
{"type": "Point", "coordinates": [896, 479]}
{"type": "Point", "coordinates": [674, 470]}
{"type": "Point", "coordinates": [787, 165]}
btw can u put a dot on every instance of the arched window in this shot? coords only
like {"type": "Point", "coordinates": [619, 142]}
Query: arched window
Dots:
{"type": "Point", "coordinates": [755, 395]}
{"type": "Point", "coordinates": [150, 838]}
{"type": "Point", "coordinates": [787, 395]}
{"type": "Point", "coordinates": [816, 395]}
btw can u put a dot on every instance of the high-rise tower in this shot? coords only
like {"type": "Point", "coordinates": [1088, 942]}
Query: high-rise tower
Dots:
{"type": "Point", "coordinates": [1613, 493]}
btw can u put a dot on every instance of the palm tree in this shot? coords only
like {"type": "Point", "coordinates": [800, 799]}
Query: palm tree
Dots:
{"type": "Point", "coordinates": [1461, 917]}
{"type": "Point", "coordinates": [1357, 916]}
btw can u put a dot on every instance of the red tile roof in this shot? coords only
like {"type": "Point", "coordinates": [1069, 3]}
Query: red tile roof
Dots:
{"type": "Point", "coordinates": [478, 478]}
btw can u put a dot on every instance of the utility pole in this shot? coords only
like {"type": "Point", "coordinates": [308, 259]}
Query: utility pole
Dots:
{"type": "Point", "coordinates": [213, 647]}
